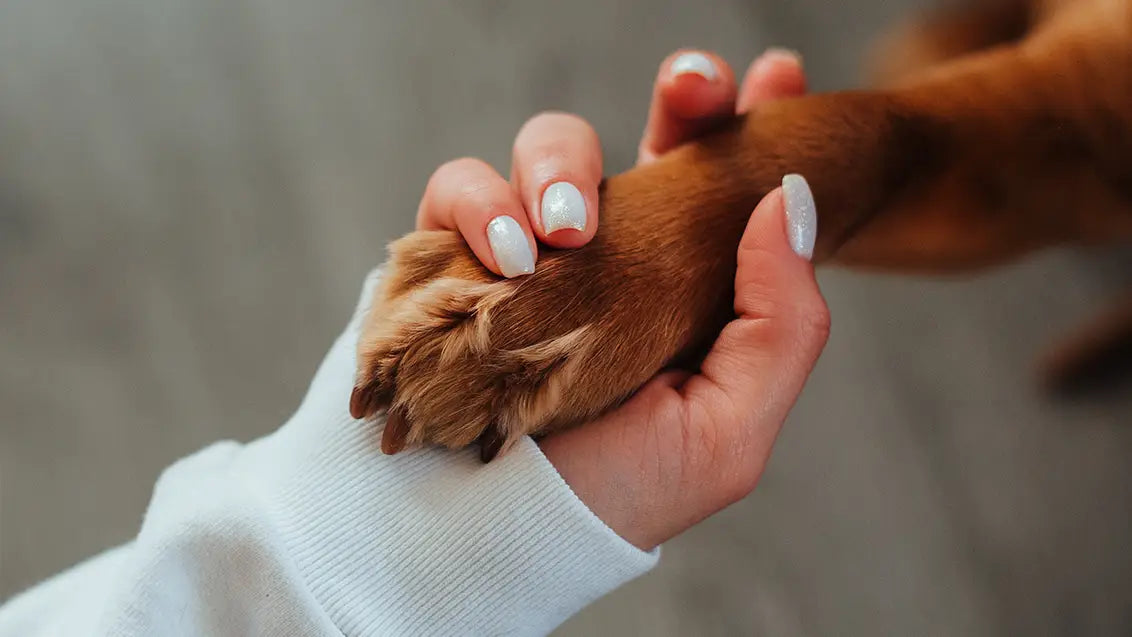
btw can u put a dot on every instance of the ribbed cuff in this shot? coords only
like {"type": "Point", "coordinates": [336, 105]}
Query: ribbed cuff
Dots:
{"type": "Point", "coordinates": [428, 541]}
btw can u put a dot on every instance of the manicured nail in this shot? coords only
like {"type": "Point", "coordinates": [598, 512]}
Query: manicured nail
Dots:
{"type": "Point", "coordinates": [563, 207]}
{"type": "Point", "coordinates": [801, 215]}
{"type": "Point", "coordinates": [510, 247]}
{"type": "Point", "coordinates": [780, 53]}
{"type": "Point", "coordinates": [697, 63]}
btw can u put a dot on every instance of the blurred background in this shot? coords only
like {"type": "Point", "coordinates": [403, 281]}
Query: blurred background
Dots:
{"type": "Point", "coordinates": [192, 190]}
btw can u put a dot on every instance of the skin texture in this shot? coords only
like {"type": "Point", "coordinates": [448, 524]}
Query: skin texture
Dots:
{"type": "Point", "coordinates": [961, 164]}
{"type": "Point", "coordinates": [687, 446]}
{"type": "Point", "coordinates": [680, 450]}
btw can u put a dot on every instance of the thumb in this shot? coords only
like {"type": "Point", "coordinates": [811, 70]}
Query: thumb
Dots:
{"type": "Point", "coordinates": [761, 360]}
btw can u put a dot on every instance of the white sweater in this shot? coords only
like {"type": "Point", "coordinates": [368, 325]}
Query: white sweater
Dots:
{"type": "Point", "coordinates": [312, 531]}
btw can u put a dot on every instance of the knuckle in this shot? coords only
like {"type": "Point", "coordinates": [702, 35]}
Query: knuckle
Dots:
{"type": "Point", "coordinates": [533, 128]}
{"type": "Point", "coordinates": [766, 293]}
{"type": "Point", "coordinates": [458, 169]}
{"type": "Point", "coordinates": [463, 189]}
{"type": "Point", "coordinates": [757, 258]}
{"type": "Point", "coordinates": [814, 321]}
{"type": "Point", "coordinates": [554, 129]}
{"type": "Point", "coordinates": [759, 289]}
{"type": "Point", "coordinates": [439, 192]}
{"type": "Point", "coordinates": [467, 177]}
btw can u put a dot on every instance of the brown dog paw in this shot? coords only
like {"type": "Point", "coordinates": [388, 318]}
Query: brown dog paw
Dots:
{"type": "Point", "coordinates": [458, 355]}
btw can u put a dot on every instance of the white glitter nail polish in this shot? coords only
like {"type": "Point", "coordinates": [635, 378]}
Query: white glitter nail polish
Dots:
{"type": "Point", "coordinates": [694, 62]}
{"type": "Point", "coordinates": [563, 207]}
{"type": "Point", "coordinates": [510, 247]}
{"type": "Point", "coordinates": [801, 215]}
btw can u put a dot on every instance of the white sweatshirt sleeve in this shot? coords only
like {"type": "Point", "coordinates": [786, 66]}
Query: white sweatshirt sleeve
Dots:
{"type": "Point", "coordinates": [312, 531]}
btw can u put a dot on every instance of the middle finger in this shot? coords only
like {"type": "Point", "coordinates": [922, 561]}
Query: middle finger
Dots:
{"type": "Point", "coordinates": [556, 167]}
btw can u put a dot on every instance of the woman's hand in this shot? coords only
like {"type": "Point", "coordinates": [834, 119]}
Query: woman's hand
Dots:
{"type": "Point", "coordinates": [551, 196]}
{"type": "Point", "coordinates": [685, 446]}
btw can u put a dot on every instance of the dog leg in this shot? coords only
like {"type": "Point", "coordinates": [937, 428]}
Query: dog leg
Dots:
{"type": "Point", "coordinates": [944, 34]}
{"type": "Point", "coordinates": [974, 163]}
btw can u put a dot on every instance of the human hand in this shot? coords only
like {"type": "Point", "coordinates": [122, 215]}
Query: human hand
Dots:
{"type": "Point", "coordinates": [685, 446]}
{"type": "Point", "coordinates": [551, 196]}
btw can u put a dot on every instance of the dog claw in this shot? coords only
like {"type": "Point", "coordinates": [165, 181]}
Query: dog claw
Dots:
{"type": "Point", "coordinates": [491, 443]}
{"type": "Point", "coordinates": [358, 403]}
{"type": "Point", "coordinates": [366, 401]}
{"type": "Point", "coordinates": [396, 433]}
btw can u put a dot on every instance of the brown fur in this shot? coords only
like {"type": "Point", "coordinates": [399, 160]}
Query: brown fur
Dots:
{"type": "Point", "coordinates": [961, 160]}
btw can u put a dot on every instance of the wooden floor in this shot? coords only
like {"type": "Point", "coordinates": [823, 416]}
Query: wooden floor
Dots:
{"type": "Point", "coordinates": [192, 190]}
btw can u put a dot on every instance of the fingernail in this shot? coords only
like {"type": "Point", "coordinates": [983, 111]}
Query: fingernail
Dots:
{"type": "Point", "coordinates": [563, 207]}
{"type": "Point", "coordinates": [510, 247]}
{"type": "Point", "coordinates": [801, 215]}
{"type": "Point", "coordinates": [780, 53]}
{"type": "Point", "coordinates": [697, 63]}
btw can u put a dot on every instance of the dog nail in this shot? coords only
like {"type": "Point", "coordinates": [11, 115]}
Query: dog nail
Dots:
{"type": "Point", "coordinates": [563, 207]}
{"type": "Point", "coordinates": [396, 433]}
{"type": "Point", "coordinates": [696, 63]}
{"type": "Point", "coordinates": [360, 403]}
{"type": "Point", "coordinates": [510, 247]}
{"type": "Point", "coordinates": [491, 443]}
{"type": "Point", "coordinates": [801, 215]}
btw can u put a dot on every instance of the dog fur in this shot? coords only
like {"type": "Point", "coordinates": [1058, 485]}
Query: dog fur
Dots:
{"type": "Point", "coordinates": [994, 131]}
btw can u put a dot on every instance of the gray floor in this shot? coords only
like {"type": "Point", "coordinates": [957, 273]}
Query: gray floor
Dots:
{"type": "Point", "coordinates": [191, 191]}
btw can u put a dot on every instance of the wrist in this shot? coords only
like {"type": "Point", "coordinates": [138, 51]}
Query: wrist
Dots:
{"type": "Point", "coordinates": [609, 484]}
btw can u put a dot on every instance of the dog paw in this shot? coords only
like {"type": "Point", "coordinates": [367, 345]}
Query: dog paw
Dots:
{"type": "Point", "coordinates": [457, 355]}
